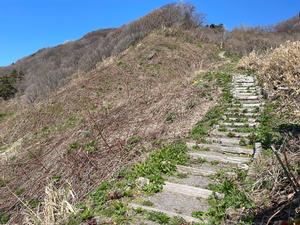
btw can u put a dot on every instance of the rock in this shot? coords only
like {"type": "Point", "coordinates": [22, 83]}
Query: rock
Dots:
{"type": "Point", "coordinates": [99, 220]}
{"type": "Point", "coordinates": [115, 195]}
{"type": "Point", "coordinates": [142, 182]}
{"type": "Point", "coordinates": [233, 214]}
{"type": "Point", "coordinates": [151, 55]}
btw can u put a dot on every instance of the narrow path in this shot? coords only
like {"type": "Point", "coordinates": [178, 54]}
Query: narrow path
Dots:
{"type": "Point", "coordinates": [222, 149]}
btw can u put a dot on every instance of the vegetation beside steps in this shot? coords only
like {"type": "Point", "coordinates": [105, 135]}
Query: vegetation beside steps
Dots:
{"type": "Point", "coordinates": [129, 198]}
{"type": "Point", "coordinates": [112, 201]}
{"type": "Point", "coordinates": [132, 196]}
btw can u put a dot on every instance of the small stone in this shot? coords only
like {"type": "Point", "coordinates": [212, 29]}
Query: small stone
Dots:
{"type": "Point", "coordinates": [142, 181]}
{"type": "Point", "coordinates": [232, 175]}
{"type": "Point", "coordinates": [99, 220]}
{"type": "Point", "coordinates": [115, 195]}
{"type": "Point", "coordinates": [151, 55]}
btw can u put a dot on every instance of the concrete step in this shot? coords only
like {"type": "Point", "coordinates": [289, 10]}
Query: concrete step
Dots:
{"type": "Point", "coordinates": [224, 141]}
{"type": "Point", "coordinates": [187, 218]}
{"type": "Point", "coordinates": [225, 134]}
{"type": "Point", "coordinates": [248, 130]}
{"type": "Point", "coordinates": [243, 88]}
{"type": "Point", "coordinates": [242, 109]}
{"type": "Point", "coordinates": [189, 190]}
{"type": "Point", "coordinates": [216, 156]}
{"type": "Point", "coordinates": [243, 80]}
{"type": "Point", "coordinates": [250, 97]}
{"type": "Point", "coordinates": [239, 124]}
{"type": "Point", "coordinates": [246, 94]}
{"type": "Point", "coordinates": [220, 148]}
{"type": "Point", "coordinates": [238, 119]}
{"type": "Point", "coordinates": [246, 102]}
{"type": "Point", "coordinates": [243, 114]}
{"type": "Point", "coordinates": [192, 180]}
{"type": "Point", "coordinates": [197, 170]}
{"type": "Point", "coordinates": [244, 85]}
{"type": "Point", "coordinates": [248, 105]}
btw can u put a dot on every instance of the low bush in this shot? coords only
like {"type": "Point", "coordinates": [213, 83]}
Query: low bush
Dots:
{"type": "Point", "coordinates": [279, 71]}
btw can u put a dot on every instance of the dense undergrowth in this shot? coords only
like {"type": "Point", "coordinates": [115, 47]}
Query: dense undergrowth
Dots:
{"type": "Point", "coordinates": [277, 182]}
{"type": "Point", "coordinates": [278, 72]}
{"type": "Point", "coordinates": [103, 121]}
{"type": "Point", "coordinates": [236, 199]}
{"type": "Point", "coordinates": [222, 79]}
{"type": "Point", "coordinates": [110, 199]}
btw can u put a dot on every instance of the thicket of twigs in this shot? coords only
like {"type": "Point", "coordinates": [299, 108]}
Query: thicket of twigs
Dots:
{"type": "Point", "coordinates": [55, 209]}
{"type": "Point", "coordinates": [276, 190]}
{"type": "Point", "coordinates": [279, 71]}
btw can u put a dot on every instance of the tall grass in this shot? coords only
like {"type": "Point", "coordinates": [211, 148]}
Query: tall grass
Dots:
{"type": "Point", "coordinates": [55, 209]}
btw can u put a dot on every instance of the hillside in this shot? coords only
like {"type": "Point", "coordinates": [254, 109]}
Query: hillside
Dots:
{"type": "Point", "coordinates": [107, 117]}
{"type": "Point", "coordinates": [289, 26]}
{"type": "Point", "coordinates": [51, 68]}
{"type": "Point", "coordinates": [98, 114]}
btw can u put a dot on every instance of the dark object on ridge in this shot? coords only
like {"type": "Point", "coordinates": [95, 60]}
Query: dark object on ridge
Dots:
{"type": "Point", "coordinates": [216, 26]}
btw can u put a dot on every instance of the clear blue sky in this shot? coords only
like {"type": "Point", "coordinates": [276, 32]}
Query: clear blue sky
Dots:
{"type": "Point", "coordinates": [28, 25]}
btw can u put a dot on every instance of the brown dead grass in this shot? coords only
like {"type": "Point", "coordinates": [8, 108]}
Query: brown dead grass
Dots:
{"type": "Point", "coordinates": [279, 72]}
{"type": "Point", "coordinates": [273, 194]}
{"type": "Point", "coordinates": [132, 95]}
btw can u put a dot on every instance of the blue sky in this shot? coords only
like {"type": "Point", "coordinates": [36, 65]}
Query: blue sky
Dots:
{"type": "Point", "coordinates": [28, 25]}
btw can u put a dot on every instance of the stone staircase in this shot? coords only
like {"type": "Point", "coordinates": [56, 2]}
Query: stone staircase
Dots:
{"type": "Point", "coordinates": [222, 149]}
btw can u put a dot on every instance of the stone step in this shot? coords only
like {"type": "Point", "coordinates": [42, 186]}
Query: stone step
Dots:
{"type": "Point", "coordinates": [250, 97]}
{"type": "Point", "coordinates": [193, 180]}
{"type": "Point", "coordinates": [240, 130]}
{"type": "Point", "coordinates": [216, 156]}
{"type": "Point", "coordinates": [225, 141]}
{"type": "Point", "coordinates": [246, 94]}
{"type": "Point", "coordinates": [239, 124]}
{"type": "Point", "coordinates": [241, 80]}
{"type": "Point", "coordinates": [248, 105]}
{"type": "Point", "coordinates": [189, 190]}
{"type": "Point", "coordinates": [187, 218]}
{"type": "Point", "coordinates": [239, 83]}
{"type": "Point", "coordinates": [225, 134]}
{"type": "Point", "coordinates": [243, 114]}
{"type": "Point", "coordinates": [203, 171]}
{"type": "Point", "coordinates": [220, 148]}
{"type": "Point", "coordinates": [244, 84]}
{"type": "Point", "coordinates": [243, 88]}
{"type": "Point", "coordinates": [246, 102]}
{"type": "Point", "coordinates": [238, 119]}
{"type": "Point", "coordinates": [241, 109]}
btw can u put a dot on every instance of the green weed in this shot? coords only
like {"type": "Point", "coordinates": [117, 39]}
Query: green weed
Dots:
{"type": "Point", "coordinates": [234, 196]}
{"type": "Point", "coordinates": [73, 147]}
{"type": "Point", "coordinates": [4, 217]}
{"type": "Point", "coordinates": [170, 117]}
{"type": "Point", "coordinates": [147, 203]}
{"type": "Point", "coordinates": [158, 217]}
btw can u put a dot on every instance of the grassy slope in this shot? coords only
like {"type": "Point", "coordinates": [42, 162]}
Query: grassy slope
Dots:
{"type": "Point", "coordinates": [106, 118]}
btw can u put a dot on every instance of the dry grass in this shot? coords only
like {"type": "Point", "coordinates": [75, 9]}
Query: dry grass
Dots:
{"type": "Point", "coordinates": [82, 133]}
{"type": "Point", "coordinates": [279, 71]}
{"type": "Point", "coordinates": [273, 193]}
{"type": "Point", "coordinates": [56, 207]}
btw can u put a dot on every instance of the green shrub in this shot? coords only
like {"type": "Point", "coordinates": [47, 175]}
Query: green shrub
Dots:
{"type": "Point", "coordinates": [8, 84]}
{"type": "Point", "coordinates": [4, 217]}
{"type": "Point", "coordinates": [170, 117]}
{"type": "Point", "coordinates": [158, 217]}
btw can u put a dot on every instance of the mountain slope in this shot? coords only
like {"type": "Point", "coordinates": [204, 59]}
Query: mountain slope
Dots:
{"type": "Point", "coordinates": [106, 118]}
{"type": "Point", "coordinates": [51, 68]}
